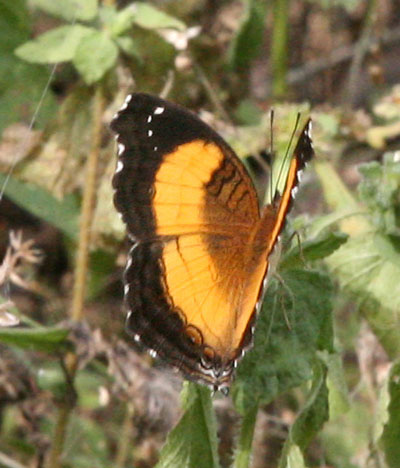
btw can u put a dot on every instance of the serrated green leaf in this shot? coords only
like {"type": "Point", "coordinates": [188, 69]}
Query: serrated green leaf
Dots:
{"type": "Point", "coordinates": [69, 10]}
{"type": "Point", "coordinates": [283, 358]}
{"type": "Point", "coordinates": [148, 17]}
{"type": "Point", "coordinates": [94, 56]}
{"type": "Point", "coordinates": [249, 38]}
{"type": "Point", "coordinates": [39, 339]}
{"type": "Point", "coordinates": [57, 45]}
{"type": "Point", "coordinates": [61, 214]}
{"type": "Point", "coordinates": [391, 431]}
{"type": "Point", "coordinates": [368, 267]}
{"type": "Point", "coordinates": [312, 250]}
{"type": "Point", "coordinates": [193, 442]}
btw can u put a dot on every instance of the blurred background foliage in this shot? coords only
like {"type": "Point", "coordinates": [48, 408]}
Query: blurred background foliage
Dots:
{"type": "Point", "coordinates": [321, 386]}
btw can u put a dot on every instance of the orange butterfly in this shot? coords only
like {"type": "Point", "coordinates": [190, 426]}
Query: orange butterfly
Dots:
{"type": "Point", "coordinates": [201, 245]}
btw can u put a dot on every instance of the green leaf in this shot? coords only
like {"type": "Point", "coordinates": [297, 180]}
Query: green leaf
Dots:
{"type": "Point", "coordinates": [57, 45]}
{"type": "Point", "coordinates": [312, 250]}
{"type": "Point", "coordinates": [246, 45]}
{"type": "Point", "coordinates": [61, 214]}
{"type": "Point", "coordinates": [193, 442]}
{"type": "Point", "coordinates": [69, 10]}
{"type": "Point", "coordinates": [310, 419]}
{"type": "Point", "coordinates": [148, 17]}
{"type": "Point", "coordinates": [21, 90]}
{"type": "Point", "coordinates": [294, 457]}
{"type": "Point", "coordinates": [21, 84]}
{"type": "Point", "coordinates": [14, 25]}
{"type": "Point", "coordinates": [368, 268]}
{"type": "Point", "coordinates": [39, 339]}
{"type": "Point", "coordinates": [391, 431]}
{"type": "Point", "coordinates": [129, 47]}
{"type": "Point", "coordinates": [283, 358]}
{"type": "Point", "coordinates": [336, 382]}
{"type": "Point", "coordinates": [94, 56]}
{"type": "Point", "coordinates": [117, 22]}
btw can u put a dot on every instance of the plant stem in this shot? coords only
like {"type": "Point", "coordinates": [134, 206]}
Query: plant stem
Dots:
{"type": "Point", "coordinates": [243, 453]}
{"type": "Point", "coordinates": [80, 275]}
{"type": "Point", "coordinates": [279, 48]}
{"type": "Point", "coordinates": [125, 438]}
{"type": "Point", "coordinates": [88, 203]}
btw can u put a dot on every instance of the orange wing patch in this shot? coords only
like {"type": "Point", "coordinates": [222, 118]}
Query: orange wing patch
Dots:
{"type": "Point", "coordinates": [181, 201]}
{"type": "Point", "coordinates": [216, 298]}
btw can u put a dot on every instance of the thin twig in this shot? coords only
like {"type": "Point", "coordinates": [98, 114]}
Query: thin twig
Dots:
{"type": "Point", "coordinates": [81, 269]}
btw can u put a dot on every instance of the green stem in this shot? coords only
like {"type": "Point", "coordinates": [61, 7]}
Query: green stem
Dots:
{"type": "Point", "coordinates": [279, 48]}
{"type": "Point", "coordinates": [243, 451]}
{"type": "Point", "coordinates": [124, 444]}
{"type": "Point", "coordinates": [81, 268]}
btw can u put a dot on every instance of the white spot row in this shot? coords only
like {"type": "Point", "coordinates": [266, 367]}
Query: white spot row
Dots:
{"type": "Point", "coordinates": [121, 148]}
{"type": "Point", "coordinates": [299, 175]}
{"type": "Point", "coordinates": [126, 102]}
{"type": "Point", "coordinates": [120, 166]}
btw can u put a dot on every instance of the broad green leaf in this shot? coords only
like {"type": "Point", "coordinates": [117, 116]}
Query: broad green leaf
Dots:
{"type": "Point", "coordinates": [94, 56]}
{"type": "Point", "coordinates": [148, 17]}
{"type": "Point", "coordinates": [69, 10]}
{"type": "Point", "coordinates": [312, 250]}
{"type": "Point", "coordinates": [337, 386]}
{"type": "Point", "coordinates": [283, 357]}
{"type": "Point", "coordinates": [391, 431]}
{"type": "Point", "coordinates": [39, 339]}
{"type": "Point", "coordinates": [193, 442]}
{"type": "Point", "coordinates": [61, 214]}
{"type": "Point", "coordinates": [249, 38]}
{"type": "Point", "coordinates": [56, 45]}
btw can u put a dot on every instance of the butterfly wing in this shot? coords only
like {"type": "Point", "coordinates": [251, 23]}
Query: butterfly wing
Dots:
{"type": "Point", "coordinates": [189, 206]}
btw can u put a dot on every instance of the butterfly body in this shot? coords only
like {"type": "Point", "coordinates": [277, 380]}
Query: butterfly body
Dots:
{"type": "Point", "coordinates": [201, 246]}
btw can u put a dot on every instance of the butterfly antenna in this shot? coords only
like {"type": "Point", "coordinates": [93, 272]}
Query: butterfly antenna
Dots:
{"type": "Point", "coordinates": [271, 149]}
{"type": "Point", "coordinates": [283, 165]}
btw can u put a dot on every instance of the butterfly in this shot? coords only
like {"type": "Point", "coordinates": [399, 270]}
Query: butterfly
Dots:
{"type": "Point", "coordinates": [201, 245]}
